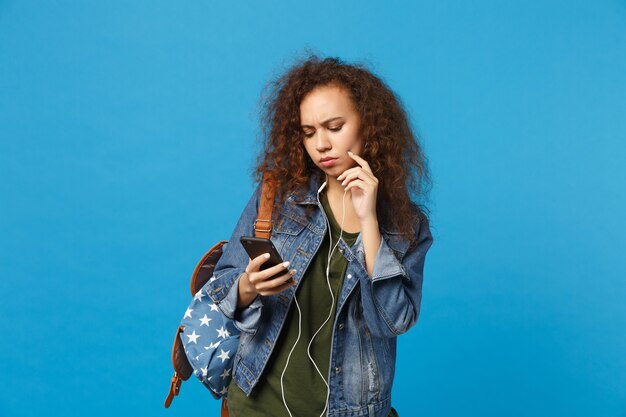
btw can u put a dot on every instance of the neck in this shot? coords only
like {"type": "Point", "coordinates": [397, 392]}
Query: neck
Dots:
{"type": "Point", "coordinates": [334, 187]}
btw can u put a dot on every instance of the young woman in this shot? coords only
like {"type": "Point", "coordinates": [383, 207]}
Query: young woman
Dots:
{"type": "Point", "coordinates": [344, 160]}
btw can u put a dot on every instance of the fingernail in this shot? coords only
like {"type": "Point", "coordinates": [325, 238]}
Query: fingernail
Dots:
{"type": "Point", "coordinates": [293, 271]}
{"type": "Point", "coordinates": [286, 263]}
{"type": "Point", "coordinates": [267, 255]}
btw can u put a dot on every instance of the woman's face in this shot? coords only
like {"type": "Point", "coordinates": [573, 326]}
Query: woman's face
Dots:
{"type": "Point", "coordinates": [330, 126]}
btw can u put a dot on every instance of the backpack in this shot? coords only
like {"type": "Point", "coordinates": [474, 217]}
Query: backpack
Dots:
{"type": "Point", "coordinates": [212, 369]}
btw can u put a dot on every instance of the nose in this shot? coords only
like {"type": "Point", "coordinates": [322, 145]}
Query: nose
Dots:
{"type": "Point", "coordinates": [322, 143]}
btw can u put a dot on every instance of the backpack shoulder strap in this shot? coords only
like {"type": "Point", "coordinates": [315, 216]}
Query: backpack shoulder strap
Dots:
{"type": "Point", "coordinates": [266, 205]}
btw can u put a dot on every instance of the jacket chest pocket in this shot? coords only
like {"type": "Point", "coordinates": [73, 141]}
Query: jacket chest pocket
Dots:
{"type": "Point", "coordinates": [285, 233]}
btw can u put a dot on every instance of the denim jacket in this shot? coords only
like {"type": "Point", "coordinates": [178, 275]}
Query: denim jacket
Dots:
{"type": "Point", "coordinates": [371, 310]}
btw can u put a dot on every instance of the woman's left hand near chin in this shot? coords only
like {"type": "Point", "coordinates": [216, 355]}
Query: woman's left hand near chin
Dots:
{"type": "Point", "coordinates": [363, 186]}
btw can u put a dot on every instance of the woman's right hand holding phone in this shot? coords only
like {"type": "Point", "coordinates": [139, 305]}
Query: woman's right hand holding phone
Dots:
{"type": "Point", "coordinates": [256, 281]}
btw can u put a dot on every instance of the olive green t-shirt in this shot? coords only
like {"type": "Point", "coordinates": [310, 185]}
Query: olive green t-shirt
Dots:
{"type": "Point", "coordinates": [305, 391]}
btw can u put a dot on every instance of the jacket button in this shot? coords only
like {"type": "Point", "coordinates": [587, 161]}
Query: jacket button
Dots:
{"type": "Point", "coordinates": [338, 370]}
{"type": "Point", "coordinates": [349, 276]}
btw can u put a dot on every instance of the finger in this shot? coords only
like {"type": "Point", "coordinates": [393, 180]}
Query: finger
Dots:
{"type": "Point", "coordinates": [264, 274]}
{"type": "Point", "coordinates": [271, 284]}
{"type": "Point", "coordinates": [359, 184]}
{"type": "Point", "coordinates": [278, 289]}
{"type": "Point", "coordinates": [258, 261]}
{"type": "Point", "coordinates": [346, 172]}
{"type": "Point", "coordinates": [356, 170]}
{"type": "Point", "coordinates": [360, 161]}
{"type": "Point", "coordinates": [349, 171]}
{"type": "Point", "coordinates": [361, 174]}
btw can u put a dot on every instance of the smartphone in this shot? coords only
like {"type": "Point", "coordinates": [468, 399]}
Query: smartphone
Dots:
{"type": "Point", "coordinates": [256, 246]}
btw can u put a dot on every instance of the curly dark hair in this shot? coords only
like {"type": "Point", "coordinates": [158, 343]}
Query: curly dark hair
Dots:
{"type": "Point", "coordinates": [393, 152]}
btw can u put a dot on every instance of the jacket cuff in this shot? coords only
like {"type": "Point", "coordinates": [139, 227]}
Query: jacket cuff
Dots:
{"type": "Point", "coordinates": [386, 264]}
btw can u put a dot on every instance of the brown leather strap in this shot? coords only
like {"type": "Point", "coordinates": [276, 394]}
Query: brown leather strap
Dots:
{"type": "Point", "coordinates": [174, 389]}
{"type": "Point", "coordinates": [182, 368]}
{"type": "Point", "coordinates": [224, 412]}
{"type": "Point", "coordinates": [263, 223]}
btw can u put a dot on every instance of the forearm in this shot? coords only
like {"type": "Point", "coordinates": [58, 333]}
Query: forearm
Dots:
{"type": "Point", "coordinates": [245, 291]}
{"type": "Point", "coordinates": [370, 235]}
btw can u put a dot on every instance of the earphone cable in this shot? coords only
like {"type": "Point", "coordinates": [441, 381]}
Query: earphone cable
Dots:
{"type": "Point", "coordinates": [325, 321]}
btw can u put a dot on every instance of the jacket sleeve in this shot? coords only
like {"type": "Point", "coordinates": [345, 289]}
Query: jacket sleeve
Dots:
{"type": "Point", "coordinates": [391, 297]}
{"type": "Point", "coordinates": [222, 288]}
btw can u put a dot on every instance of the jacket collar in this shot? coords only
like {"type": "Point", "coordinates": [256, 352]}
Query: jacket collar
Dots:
{"type": "Point", "coordinates": [308, 194]}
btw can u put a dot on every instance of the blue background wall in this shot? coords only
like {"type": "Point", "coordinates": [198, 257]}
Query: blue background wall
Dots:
{"type": "Point", "coordinates": [121, 123]}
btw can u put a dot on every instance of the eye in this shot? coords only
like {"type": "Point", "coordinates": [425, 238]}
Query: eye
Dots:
{"type": "Point", "coordinates": [308, 135]}
{"type": "Point", "coordinates": [335, 129]}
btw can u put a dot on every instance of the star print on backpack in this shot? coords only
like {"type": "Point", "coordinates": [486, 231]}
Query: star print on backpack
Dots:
{"type": "Point", "coordinates": [210, 340]}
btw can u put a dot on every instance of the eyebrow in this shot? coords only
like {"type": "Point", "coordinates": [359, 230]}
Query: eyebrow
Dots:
{"type": "Point", "coordinates": [332, 119]}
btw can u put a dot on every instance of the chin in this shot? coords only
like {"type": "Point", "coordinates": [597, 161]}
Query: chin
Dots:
{"type": "Point", "coordinates": [334, 168]}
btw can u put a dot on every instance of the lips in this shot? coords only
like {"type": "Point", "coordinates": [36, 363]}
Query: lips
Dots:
{"type": "Point", "coordinates": [327, 162]}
